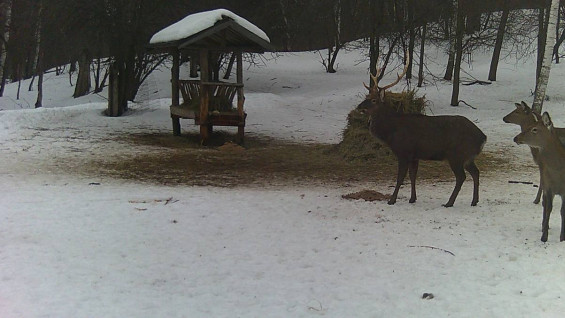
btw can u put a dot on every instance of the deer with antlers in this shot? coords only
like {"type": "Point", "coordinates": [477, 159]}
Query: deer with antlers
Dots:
{"type": "Point", "coordinates": [415, 137]}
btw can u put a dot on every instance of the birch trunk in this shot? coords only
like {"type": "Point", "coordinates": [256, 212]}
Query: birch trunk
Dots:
{"type": "Point", "coordinates": [7, 14]}
{"type": "Point", "coordinates": [545, 68]}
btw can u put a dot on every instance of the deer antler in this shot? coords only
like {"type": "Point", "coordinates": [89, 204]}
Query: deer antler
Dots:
{"type": "Point", "coordinates": [375, 78]}
{"type": "Point", "coordinates": [399, 77]}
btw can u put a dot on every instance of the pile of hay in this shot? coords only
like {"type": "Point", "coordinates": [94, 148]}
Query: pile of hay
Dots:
{"type": "Point", "coordinates": [215, 103]}
{"type": "Point", "coordinates": [358, 143]}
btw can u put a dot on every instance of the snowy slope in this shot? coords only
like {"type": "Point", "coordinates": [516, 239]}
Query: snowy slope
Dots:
{"type": "Point", "coordinates": [73, 246]}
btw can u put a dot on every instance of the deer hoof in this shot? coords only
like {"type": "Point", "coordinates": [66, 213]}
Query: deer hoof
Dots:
{"type": "Point", "coordinates": [391, 202]}
{"type": "Point", "coordinates": [448, 205]}
{"type": "Point", "coordinates": [544, 238]}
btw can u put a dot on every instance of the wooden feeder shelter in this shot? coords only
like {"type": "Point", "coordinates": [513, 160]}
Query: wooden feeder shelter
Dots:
{"type": "Point", "coordinates": [202, 37]}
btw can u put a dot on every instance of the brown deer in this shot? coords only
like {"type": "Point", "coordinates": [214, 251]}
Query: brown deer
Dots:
{"type": "Point", "coordinates": [542, 135]}
{"type": "Point", "coordinates": [525, 117]}
{"type": "Point", "coordinates": [414, 137]}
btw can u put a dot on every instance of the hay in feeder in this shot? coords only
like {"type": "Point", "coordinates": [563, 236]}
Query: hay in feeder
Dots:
{"type": "Point", "coordinates": [215, 103]}
{"type": "Point", "coordinates": [358, 143]}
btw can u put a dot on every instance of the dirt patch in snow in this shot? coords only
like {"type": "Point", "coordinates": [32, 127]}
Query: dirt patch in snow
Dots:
{"type": "Point", "coordinates": [367, 195]}
{"type": "Point", "coordinates": [169, 160]}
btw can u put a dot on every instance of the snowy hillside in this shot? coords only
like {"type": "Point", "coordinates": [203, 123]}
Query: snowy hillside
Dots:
{"type": "Point", "coordinates": [93, 246]}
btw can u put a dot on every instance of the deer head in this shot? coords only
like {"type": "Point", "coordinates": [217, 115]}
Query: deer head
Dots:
{"type": "Point", "coordinates": [539, 134]}
{"type": "Point", "coordinates": [377, 93]}
{"type": "Point", "coordinates": [523, 115]}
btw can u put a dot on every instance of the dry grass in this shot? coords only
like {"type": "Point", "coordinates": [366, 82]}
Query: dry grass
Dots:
{"type": "Point", "coordinates": [171, 160]}
{"type": "Point", "coordinates": [358, 143]}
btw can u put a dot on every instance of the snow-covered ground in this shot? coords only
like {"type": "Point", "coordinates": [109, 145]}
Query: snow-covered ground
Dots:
{"type": "Point", "coordinates": [78, 246]}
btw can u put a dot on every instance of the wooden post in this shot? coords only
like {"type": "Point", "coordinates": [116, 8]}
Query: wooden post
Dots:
{"type": "Point", "coordinates": [204, 98]}
{"type": "Point", "coordinates": [175, 90]}
{"type": "Point", "coordinates": [240, 98]}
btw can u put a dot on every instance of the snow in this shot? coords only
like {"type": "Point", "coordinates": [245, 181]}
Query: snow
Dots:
{"type": "Point", "coordinates": [197, 22]}
{"type": "Point", "coordinates": [78, 246]}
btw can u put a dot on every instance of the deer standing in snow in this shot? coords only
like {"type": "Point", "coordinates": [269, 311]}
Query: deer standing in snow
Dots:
{"type": "Point", "coordinates": [414, 137]}
{"type": "Point", "coordinates": [542, 135]}
{"type": "Point", "coordinates": [525, 117]}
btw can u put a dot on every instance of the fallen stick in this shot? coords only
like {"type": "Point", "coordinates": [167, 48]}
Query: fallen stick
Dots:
{"type": "Point", "coordinates": [433, 248]}
{"type": "Point", "coordinates": [522, 182]}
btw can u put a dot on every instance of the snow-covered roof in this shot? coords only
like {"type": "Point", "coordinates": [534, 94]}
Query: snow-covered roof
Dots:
{"type": "Point", "coordinates": [196, 23]}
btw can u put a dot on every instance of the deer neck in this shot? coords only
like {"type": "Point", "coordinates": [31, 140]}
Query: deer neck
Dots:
{"type": "Point", "coordinates": [528, 123]}
{"type": "Point", "coordinates": [552, 153]}
{"type": "Point", "coordinates": [383, 125]}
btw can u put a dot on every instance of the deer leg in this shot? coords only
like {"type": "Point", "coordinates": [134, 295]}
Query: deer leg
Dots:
{"type": "Point", "coordinates": [538, 196]}
{"type": "Point", "coordinates": [547, 207]}
{"type": "Point", "coordinates": [402, 169]}
{"type": "Point", "coordinates": [562, 237]}
{"type": "Point", "coordinates": [474, 172]}
{"type": "Point", "coordinates": [459, 179]}
{"type": "Point", "coordinates": [413, 170]}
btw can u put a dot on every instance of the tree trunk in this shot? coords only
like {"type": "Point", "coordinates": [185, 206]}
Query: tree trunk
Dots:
{"type": "Point", "coordinates": [82, 86]}
{"type": "Point", "coordinates": [7, 14]}
{"type": "Point", "coordinates": [411, 39]}
{"type": "Point", "coordinates": [556, 46]}
{"type": "Point", "coordinates": [333, 50]}
{"type": "Point", "coordinates": [72, 69]}
{"type": "Point", "coordinates": [287, 37]}
{"type": "Point", "coordinates": [374, 41]}
{"type": "Point", "coordinates": [19, 77]}
{"type": "Point", "coordinates": [97, 87]}
{"type": "Point", "coordinates": [411, 44]}
{"type": "Point", "coordinates": [230, 66]}
{"type": "Point", "coordinates": [422, 47]}
{"type": "Point", "coordinates": [545, 68]}
{"type": "Point", "coordinates": [542, 35]}
{"type": "Point", "coordinates": [113, 104]}
{"type": "Point", "coordinates": [39, 101]}
{"type": "Point", "coordinates": [451, 30]}
{"type": "Point", "coordinates": [498, 46]}
{"type": "Point", "coordinates": [194, 64]}
{"type": "Point", "coordinates": [458, 56]}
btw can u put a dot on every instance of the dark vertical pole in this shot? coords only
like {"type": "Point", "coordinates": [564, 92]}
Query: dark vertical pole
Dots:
{"type": "Point", "coordinates": [240, 98]}
{"type": "Point", "coordinates": [204, 78]}
{"type": "Point", "coordinates": [175, 77]}
{"type": "Point", "coordinates": [175, 89]}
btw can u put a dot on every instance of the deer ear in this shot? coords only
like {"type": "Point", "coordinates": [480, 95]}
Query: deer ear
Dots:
{"type": "Point", "coordinates": [526, 107]}
{"type": "Point", "coordinates": [547, 120]}
{"type": "Point", "coordinates": [519, 107]}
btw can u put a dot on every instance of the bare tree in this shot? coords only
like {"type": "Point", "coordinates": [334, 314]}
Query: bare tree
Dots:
{"type": "Point", "coordinates": [460, 24]}
{"type": "Point", "coordinates": [423, 32]}
{"type": "Point", "coordinates": [498, 45]}
{"type": "Point", "coordinates": [83, 83]}
{"type": "Point", "coordinates": [39, 60]}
